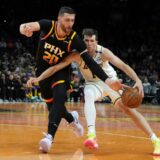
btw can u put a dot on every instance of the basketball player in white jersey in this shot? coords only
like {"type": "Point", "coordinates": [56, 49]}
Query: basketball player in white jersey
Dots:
{"type": "Point", "coordinates": [96, 89]}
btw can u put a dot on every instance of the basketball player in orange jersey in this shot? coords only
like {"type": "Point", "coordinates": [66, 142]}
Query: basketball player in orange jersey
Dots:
{"type": "Point", "coordinates": [96, 89]}
{"type": "Point", "coordinates": [57, 40]}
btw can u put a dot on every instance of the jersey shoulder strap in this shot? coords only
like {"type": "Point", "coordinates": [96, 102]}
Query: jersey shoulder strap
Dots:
{"type": "Point", "coordinates": [50, 31]}
{"type": "Point", "coordinates": [70, 38]}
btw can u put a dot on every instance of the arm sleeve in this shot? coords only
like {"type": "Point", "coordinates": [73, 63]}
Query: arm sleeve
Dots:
{"type": "Point", "coordinates": [79, 45]}
{"type": "Point", "coordinates": [45, 25]}
{"type": "Point", "coordinates": [93, 66]}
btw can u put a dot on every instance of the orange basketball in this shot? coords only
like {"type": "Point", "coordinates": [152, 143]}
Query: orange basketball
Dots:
{"type": "Point", "coordinates": [131, 97]}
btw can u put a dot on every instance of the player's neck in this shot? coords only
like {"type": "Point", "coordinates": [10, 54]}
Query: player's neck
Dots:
{"type": "Point", "coordinates": [59, 31]}
{"type": "Point", "coordinates": [92, 53]}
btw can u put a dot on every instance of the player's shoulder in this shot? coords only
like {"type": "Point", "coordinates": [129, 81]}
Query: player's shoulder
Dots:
{"type": "Point", "coordinates": [46, 24]}
{"type": "Point", "coordinates": [77, 44]}
{"type": "Point", "coordinates": [99, 49]}
{"type": "Point", "coordinates": [45, 21]}
{"type": "Point", "coordinates": [73, 34]}
{"type": "Point", "coordinates": [75, 38]}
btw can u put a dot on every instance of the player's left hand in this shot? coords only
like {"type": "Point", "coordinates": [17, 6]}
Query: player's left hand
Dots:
{"type": "Point", "coordinates": [139, 85]}
{"type": "Point", "coordinates": [31, 81]}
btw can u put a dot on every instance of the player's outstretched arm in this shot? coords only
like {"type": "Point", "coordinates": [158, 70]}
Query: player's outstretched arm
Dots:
{"type": "Point", "coordinates": [113, 59]}
{"type": "Point", "coordinates": [52, 70]}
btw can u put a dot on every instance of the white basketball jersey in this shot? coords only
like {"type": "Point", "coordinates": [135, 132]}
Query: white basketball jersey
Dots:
{"type": "Point", "coordinates": [108, 69]}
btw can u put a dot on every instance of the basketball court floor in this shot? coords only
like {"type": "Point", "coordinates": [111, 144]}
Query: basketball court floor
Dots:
{"type": "Point", "coordinates": [22, 124]}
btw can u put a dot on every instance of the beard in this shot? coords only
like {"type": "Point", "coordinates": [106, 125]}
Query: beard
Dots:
{"type": "Point", "coordinates": [66, 30]}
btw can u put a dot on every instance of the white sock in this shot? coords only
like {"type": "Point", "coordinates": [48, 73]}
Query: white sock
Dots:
{"type": "Point", "coordinates": [153, 137]}
{"type": "Point", "coordinates": [90, 111]}
{"type": "Point", "coordinates": [90, 95]}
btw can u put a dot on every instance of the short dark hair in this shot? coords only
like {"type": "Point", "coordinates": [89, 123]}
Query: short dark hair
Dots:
{"type": "Point", "coordinates": [90, 32]}
{"type": "Point", "coordinates": [66, 9]}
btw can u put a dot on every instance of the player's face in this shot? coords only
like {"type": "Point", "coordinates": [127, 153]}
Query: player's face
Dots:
{"type": "Point", "coordinates": [66, 22]}
{"type": "Point", "coordinates": [91, 43]}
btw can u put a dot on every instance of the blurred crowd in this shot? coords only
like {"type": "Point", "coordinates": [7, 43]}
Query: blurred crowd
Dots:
{"type": "Point", "coordinates": [17, 65]}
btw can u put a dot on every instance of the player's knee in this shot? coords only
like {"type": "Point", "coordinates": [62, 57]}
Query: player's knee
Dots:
{"type": "Point", "coordinates": [88, 95]}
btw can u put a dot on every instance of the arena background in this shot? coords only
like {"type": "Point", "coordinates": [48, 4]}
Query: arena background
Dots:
{"type": "Point", "coordinates": [129, 28]}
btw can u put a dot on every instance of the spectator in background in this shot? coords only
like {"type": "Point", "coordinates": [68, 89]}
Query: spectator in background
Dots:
{"type": "Point", "coordinates": [76, 94]}
{"type": "Point", "coordinates": [3, 87]}
{"type": "Point", "coordinates": [146, 86]}
{"type": "Point", "coordinates": [11, 94]}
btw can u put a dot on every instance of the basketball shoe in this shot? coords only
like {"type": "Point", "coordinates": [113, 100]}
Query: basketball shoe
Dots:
{"type": "Point", "coordinates": [91, 141]}
{"type": "Point", "coordinates": [45, 143]}
{"type": "Point", "coordinates": [79, 131]}
{"type": "Point", "coordinates": [156, 144]}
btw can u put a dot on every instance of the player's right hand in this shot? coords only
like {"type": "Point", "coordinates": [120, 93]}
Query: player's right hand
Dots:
{"type": "Point", "coordinates": [26, 30]}
{"type": "Point", "coordinates": [139, 85]}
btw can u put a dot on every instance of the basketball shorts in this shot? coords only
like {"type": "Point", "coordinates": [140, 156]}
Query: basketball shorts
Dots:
{"type": "Point", "coordinates": [102, 90]}
{"type": "Point", "coordinates": [47, 85]}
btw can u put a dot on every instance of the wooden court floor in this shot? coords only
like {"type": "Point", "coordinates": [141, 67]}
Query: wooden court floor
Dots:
{"type": "Point", "coordinates": [22, 124]}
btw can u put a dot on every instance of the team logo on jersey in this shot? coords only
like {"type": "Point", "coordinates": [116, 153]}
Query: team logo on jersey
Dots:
{"type": "Point", "coordinates": [52, 35]}
{"type": "Point", "coordinates": [52, 54]}
{"type": "Point", "coordinates": [73, 50]}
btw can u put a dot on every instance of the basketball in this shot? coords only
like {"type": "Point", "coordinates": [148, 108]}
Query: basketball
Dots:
{"type": "Point", "coordinates": [131, 98]}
